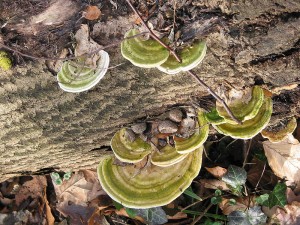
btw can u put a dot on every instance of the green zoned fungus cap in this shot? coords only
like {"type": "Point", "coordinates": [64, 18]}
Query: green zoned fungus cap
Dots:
{"type": "Point", "coordinates": [148, 187]}
{"type": "Point", "coordinates": [279, 135]}
{"type": "Point", "coordinates": [251, 127]}
{"type": "Point", "coordinates": [191, 56]}
{"type": "Point", "coordinates": [213, 117]}
{"type": "Point", "coordinates": [243, 110]}
{"type": "Point", "coordinates": [167, 156]}
{"type": "Point", "coordinates": [5, 62]}
{"type": "Point", "coordinates": [74, 77]}
{"type": "Point", "coordinates": [146, 54]}
{"type": "Point", "coordinates": [197, 139]}
{"type": "Point", "coordinates": [129, 151]}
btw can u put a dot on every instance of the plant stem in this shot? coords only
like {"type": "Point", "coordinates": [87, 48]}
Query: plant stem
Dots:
{"type": "Point", "coordinates": [202, 214]}
{"type": "Point", "coordinates": [152, 34]}
{"type": "Point", "coordinates": [215, 96]}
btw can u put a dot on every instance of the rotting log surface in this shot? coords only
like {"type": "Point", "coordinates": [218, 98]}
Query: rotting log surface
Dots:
{"type": "Point", "coordinates": [44, 127]}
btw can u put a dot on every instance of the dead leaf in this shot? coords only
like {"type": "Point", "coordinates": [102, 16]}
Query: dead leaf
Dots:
{"type": "Point", "coordinates": [259, 174]}
{"type": "Point", "coordinates": [291, 197]}
{"type": "Point", "coordinates": [217, 171]}
{"type": "Point", "coordinates": [75, 194]}
{"type": "Point", "coordinates": [289, 215]}
{"type": "Point", "coordinates": [92, 12]}
{"type": "Point", "coordinates": [284, 159]}
{"type": "Point", "coordinates": [241, 204]}
{"type": "Point", "coordinates": [214, 184]}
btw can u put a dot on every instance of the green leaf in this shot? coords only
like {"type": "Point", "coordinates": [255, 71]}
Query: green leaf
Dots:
{"type": "Point", "coordinates": [118, 205]}
{"type": "Point", "coordinates": [232, 201]}
{"type": "Point", "coordinates": [276, 197]}
{"type": "Point", "coordinates": [190, 193]}
{"type": "Point", "coordinates": [210, 222]}
{"type": "Point", "coordinates": [153, 216]}
{"type": "Point", "coordinates": [67, 175]}
{"type": "Point", "coordinates": [218, 192]}
{"type": "Point", "coordinates": [214, 216]}
{"type": "Point", "coordinates": [131, 212]}
{"type": "Point", "coordinates": [253, 216]}
{"type": "Point", "coordinates": [236, 176]}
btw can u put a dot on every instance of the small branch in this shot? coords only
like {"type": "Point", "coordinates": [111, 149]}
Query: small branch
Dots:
{"type": "Point", "coordinates": [202, 214]}
{"type": "Point", "coordinates": [152, 34]}
{"type": "Point", "coordinates": [71, 57]}
{"type": "Point", "coordinates": [215, 96]}
{"type": "Point", "coordinates": [246, 149]}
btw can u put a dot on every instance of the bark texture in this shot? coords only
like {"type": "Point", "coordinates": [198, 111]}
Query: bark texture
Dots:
{"type": "Point", "coordinates": [44, 127]}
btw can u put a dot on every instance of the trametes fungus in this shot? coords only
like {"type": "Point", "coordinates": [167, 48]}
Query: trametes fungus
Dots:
{"type": "Point", "coordinates": [129, 151]}
{"type": "Point", "coordinates": [280, 131]}
{"type": "Point", "coordinates": [78, 77]}
{"type": "Point", "coordinates": [197, 139]}
{"type": "Point", "coordinates": [244, 105]}
{"type": "Point", "coordinates": [191, 56]}
{"type": "Point", "coordinates": [251, 127]}
{"type": "Point", "coordinates": [143, 53]}
{"type": "Point", "coordinates": [150, 187]}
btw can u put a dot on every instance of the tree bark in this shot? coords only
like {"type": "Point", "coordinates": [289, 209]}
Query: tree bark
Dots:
{"type": "Point", "coordinates": [44, 127]}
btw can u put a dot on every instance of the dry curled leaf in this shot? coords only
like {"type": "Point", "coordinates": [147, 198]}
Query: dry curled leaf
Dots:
{"type": "Point", "coordinates": [92, 12]}
{"type": "Point", "coordinates": [284, 159]}
{"type": "Point", "coordinates": [217, 171]}
{"type": "Point", "coordinates": [241, 204]}
{"type": "Point", "coordinates": [214, 184]}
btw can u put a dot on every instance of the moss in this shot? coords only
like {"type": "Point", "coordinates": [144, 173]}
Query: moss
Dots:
{"type": "Point", "coordinates": [5, 61]}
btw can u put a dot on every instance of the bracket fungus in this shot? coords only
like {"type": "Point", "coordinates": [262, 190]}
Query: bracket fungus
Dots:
{"type": "Point", "coordinates": [278, 135]}
{"type": "Point", "coordinates": [143, 53]}
{"type": "Point", "coordinates": [77, 77]}
{"type": "Point", "coordinates": [149, 187]}
{"type": "Point", "coordinates": [197, 139]}
{"type": "Point", "coordinates": [213, 117]}
{"type": "Point", "coordinates": [244, 106]}
{"type": "Point", "coordinates": [191, 57]}
{"type": "Point", "coordinates": [129, 151]}
{"type": "Point", "coordinates": [250, 127]}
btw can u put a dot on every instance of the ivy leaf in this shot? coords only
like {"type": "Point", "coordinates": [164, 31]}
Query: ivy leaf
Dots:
{"type": "Point", "coordinates": [153, 216]}
{"type": "Point", "coordinates": [254, 216]}
{"type": "Point", "coordinates": [276, 197]}
{"type": "Point", "coordinates": [192, 194]}
{"type": "Point", "coordinates": [236, 176]}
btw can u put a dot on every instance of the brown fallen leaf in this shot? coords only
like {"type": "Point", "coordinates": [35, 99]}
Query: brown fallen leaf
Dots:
{"type": "Point", "coordinates": [92, 12]}
{"type": "Point", "coordinates": [291, 197]}
{"type": "Point", "coordinates": [289, 215]}
{"type": "Point", "coordinates": [74, 195]}
{"type": "Point", "coordinates": [241, 204]}
{"type": "Point", "coordinates": [217, 171]}
{"type": "Point", "coordinates": [284, 159]}
{"type": "Point", "coordinates": [214, 184]}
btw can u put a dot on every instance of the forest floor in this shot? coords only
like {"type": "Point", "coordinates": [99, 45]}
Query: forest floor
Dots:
{"type": "Point", "coordinates": [267, 174]}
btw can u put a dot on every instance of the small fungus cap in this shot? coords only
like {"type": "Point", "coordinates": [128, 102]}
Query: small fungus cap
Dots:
{"type": "Point", "coordinates": [197, 139]}
{"type": "Point", "coordinates": [149, 187]}
{"type": "Point", "coordinates": [167, 156]}
{"type": "Point", "coordinates": [213, 117]}
{"type": "Point", "coordinates": [280, 135]}
{"type": "Point", "coordinates": [191, 57]}
{"type": "Point", "coordinates": [5, 61]}
{"type": "Point", "coordinates": [75, 77]}
{"type": "Point", "coordinates": [251, 127]}
{"type": "Point", "coordinates": [127, 151]}
{"type": "Point", "coordinates": [146, 54]}
{"type": "Point", "coordinates": [240, 107]}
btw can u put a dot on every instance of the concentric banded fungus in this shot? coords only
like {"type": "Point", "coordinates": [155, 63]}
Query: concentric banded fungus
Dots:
{"type": "Point", "coordinates": [279, 135]}
{"type": "Point", "coordinates": [75, 77]}
{"type": "Point", "coordinates": [243, 110]}
{"type": "Point", "coordinates": [127, 151]}
{"type": "Point", "coordinates": [197, 139]}
{"type": "Point", "coordinates": [251, 127]}
{"type": "Point", "coordinates": [214, 118]}
{"type": "Point", "coordinates": [167, 156]}
{"type": "Point", "coordinates": [151, 187]}
{"type": "Point", "coordinates": [191, 56]}
{"type": "Point", "coordinates": [146, 54]}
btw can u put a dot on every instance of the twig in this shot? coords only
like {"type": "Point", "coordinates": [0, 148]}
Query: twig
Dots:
{"type": "Point", "coordinates": [215, 96]}
{"type": "Point", "coordinates": [195, 203]}
{"type": "Point", "coordinates": [246, 149]}
{"type": "Point", "coordinates": [202, 214]}
{"type": "Point", "coordinates": [151, 32]}
{"type": "Point", "coordinates": [262, 173]}
{"type": "Point", "coordinates": [71, 57]}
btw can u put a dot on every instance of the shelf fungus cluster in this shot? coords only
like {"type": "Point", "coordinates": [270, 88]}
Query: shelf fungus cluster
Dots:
{"type": "Point", "coordinates": [251, 107]}
{"type": "Point", "coordinates": [154, 162]}
{"type": "Point", "coordinates": [150, 54]}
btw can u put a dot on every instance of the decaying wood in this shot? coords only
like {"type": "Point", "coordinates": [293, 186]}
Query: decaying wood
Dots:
{"type": "Point", "coordinates": [44, 127]}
